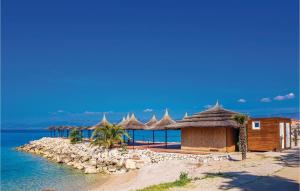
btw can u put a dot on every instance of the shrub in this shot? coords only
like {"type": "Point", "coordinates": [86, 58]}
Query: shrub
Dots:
{"type": "Point", "coordinates": [75, 136]}
{"type": "Point", "coordinates": [108, 136]}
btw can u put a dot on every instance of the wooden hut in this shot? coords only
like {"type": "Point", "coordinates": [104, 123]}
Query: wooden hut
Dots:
{"type": "Point", "coordinates": [269, 134]}
{"type": "Point", "coordinates": [210, 130]}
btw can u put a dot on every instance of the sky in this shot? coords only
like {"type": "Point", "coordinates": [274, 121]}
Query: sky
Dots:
{"type": "Point", "coordinates": [73, 60]}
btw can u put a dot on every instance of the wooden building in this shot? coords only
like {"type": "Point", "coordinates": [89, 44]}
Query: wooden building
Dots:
{"type": "Point", "coordinates": [210, 130]}
{"type": "Point", "coordinates": [269, 134]}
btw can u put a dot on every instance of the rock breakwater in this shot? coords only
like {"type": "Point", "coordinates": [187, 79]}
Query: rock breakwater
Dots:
{"type": "Point", "coordinates": [95, 159]}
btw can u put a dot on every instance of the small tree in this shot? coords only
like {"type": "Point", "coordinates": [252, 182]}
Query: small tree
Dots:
{"type": "Point", "coordinates": [242, 122]}
{"type": "Point", "coordinates": [75, 136]}
{"type": "Point", "coordinates": [108, 136]}
{"type": "Point", "coordinates": [295, 137]}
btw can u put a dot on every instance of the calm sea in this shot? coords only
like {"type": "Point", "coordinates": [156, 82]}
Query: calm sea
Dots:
{"type": "Point", "coordinates": [24, 171]}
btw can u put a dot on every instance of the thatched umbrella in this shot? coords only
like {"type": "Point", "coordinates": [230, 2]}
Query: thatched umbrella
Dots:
{"type": "Point", "coordinates": [51, 129]}
{"type": "Point", "coordinates": [163, 125]}
{"type": "Point", "coordinates": [150, 124]}
{"type": "Point", "coordinates": [133, 124]}
{"type": "Point", "coordinates": [122, 122]}
{"type": "Point", "coordinates": [60, 130]}
{"type": "Point", "coordinates": [102, 123]}
{"type": "Point", "coordinates": [68, 128]}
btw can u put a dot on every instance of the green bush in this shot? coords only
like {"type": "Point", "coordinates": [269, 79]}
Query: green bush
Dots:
{"type": "Point", "coordinates": [108, 136]}
{"type": "Point", "coordinates": [75, 136]}
{"type": "Point", "coordinates": [182, 181]}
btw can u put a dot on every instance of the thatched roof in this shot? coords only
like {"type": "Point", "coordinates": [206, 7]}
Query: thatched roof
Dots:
{"type": "Point", "coordinates": [185, 115]}
{"type": "Point", "coordinates": [122, 122]}
{"type": "Point", "coordinates": [163, 123]}
{"type": "Point", "coordinates": [151, 122]}
{"type": "Point", "coordinates": [133, 124]}
{"type": "Point", "coordinates": [102, 123]}
{"type": "Point", "coordinates": [216, 116]}
{"type": "Point", "coordinates": [51, 127]}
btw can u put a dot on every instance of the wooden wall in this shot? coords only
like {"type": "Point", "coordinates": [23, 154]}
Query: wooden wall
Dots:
{"type": "Point", "coordinates": [230, 140]}
{"type": "Point", "coordinates": [207, 139]}
{"type": "Point", "coordinates": [267, 137]}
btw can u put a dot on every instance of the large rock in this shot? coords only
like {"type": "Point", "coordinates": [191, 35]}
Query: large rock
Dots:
{"type": "Point", "coordinates": [90, 170]}
{"type": "Point", "coordinates": [130, 164]}
{"type": "Point", "coordinates": [93, 162]}
{"type": "Point", "coordinates": [59, 159]}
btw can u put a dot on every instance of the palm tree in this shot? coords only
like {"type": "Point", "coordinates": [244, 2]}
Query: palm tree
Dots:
{"type": "Point", "coordinates": [108, 136]}
{"type": "Point", "coordinates": [75, 136]}
{"type": "Point", "coordinates": [242, 122]}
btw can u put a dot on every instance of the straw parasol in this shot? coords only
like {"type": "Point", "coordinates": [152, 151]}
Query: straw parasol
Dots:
{"type": "Point", "coordinates": [150, 124]}
{"type": "Point", "coordinates": [163, 125]}
{"type": "Point", "coordinates": [102, 123]}
{"type": "Point", "coordinates": [164, 122]}
{"type": "Point", "coordinates": [52, 130]}
{"type": "Point", "coordinates": [216, 116]}
{"type": "Point", "coordinates": [122, 122]}
{"type": "Point", "coordinates": [133, 124]}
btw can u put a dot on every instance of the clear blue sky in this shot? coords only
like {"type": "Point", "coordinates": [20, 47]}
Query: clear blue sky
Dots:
{"type": "Point", "coordinates": [65, 60]}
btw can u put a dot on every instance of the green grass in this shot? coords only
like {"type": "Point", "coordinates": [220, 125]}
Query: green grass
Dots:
{"type": "Point", "coordinates": [182, 181]}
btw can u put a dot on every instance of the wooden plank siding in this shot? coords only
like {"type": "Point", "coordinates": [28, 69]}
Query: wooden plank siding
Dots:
{"type": "Point", "coordinates": [230, 140]}
{"type": "Point", "coordinates": [266, 138]}
{"type": "Point", "coordinates": [208, 139]}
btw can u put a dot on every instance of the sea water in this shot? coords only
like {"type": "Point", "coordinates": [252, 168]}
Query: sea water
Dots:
{"type": "Point", "coordinates": [25, 171]}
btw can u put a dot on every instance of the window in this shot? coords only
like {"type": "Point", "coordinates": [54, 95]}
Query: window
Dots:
{"type": "Point", "coordinates": [256, 125]}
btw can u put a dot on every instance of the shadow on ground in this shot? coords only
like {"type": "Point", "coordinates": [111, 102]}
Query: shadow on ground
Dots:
{"type": "Point", "coordinates": [244, 181]}
{"type": "Point", "coordinates": [290, 159]}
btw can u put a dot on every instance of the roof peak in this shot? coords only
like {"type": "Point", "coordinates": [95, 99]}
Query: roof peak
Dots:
{"type": "Point", "coordinates": [185, 115]}
{"type": "Point", "coordinates": [104, 117]}
{"type": "Point", "coordinates": [216, 106]}
{"type": "Point", "coordinates": [166, 113]}
{"type": "Point", "coordinates": [153, 117]}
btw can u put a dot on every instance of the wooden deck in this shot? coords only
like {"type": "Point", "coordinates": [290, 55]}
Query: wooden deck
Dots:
{"type": "Point", "coordinates": [161, 147]}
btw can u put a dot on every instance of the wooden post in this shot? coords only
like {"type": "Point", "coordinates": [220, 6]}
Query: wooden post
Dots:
{"type": "Point", "coordinates": [166, 138]}
{"type": "Point", "coordinates": [153, 137]}
{"type": "Point", "coordinates": [133, 138]}
{"type": "Point", "coordinates": [89, 133]}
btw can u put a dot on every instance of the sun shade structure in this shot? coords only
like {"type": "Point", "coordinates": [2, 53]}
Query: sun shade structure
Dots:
{"type": "Point", "coordinates": [133, 124]}
{"type": "Point", "coordinates": [163, 125]}
{"type": "Point", "coordinates": [164, 122]}
{"type": "Point", "coordinates": [122, 122]}
{"type": "Point", "coordinates": [102, 123]}
{"type": "Point", "coordinates": [151, 122]}
{"type": "Point", "coordinates": [216, 116]}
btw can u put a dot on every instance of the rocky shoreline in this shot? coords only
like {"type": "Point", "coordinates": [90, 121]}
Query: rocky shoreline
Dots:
{"type": "Point", "coordinates": [95, 159]}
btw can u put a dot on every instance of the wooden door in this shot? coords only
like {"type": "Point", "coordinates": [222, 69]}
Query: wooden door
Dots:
{"type": "Point", "coordinates": [281, 134]}
{"type": "Point", "coordinates": [287, 135]}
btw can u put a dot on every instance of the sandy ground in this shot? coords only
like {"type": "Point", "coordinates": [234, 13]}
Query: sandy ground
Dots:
{"type": "Point", "coordinates": [261, 171]}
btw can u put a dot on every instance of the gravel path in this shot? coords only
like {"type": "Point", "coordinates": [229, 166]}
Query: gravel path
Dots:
{"type": "Point", "coordinates": [261, 171]}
